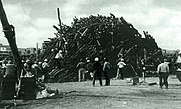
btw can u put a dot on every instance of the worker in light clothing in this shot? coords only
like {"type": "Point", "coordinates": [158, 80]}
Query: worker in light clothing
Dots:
{"type": "Point", "coordinates": [163, 71]}
{"type": "Point", "coordinates": [120, 65]}
{"type": "Point", "coordinates": [45, 69]}
{"type": "Point", "coordinates": [59, 59]}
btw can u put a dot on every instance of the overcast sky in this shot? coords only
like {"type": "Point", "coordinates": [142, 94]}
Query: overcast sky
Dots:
{"type": "Point", "coordinates": [33, 19]}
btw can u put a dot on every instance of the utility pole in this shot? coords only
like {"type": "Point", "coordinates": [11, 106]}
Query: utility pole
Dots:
{"type": "Point", "coordinates": [37, 55]}
{"type": "Point", "coordinates": [9, 31]}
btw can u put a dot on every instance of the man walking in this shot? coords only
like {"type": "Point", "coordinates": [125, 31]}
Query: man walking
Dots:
{"type": "Point", "coordinates": [163, 71]}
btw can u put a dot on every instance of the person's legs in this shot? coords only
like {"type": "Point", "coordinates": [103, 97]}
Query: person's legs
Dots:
{"type": "Point", "coordinates": [165, 78]}
{"type": "Point", "coordinates": [57, 63]}
{"type": "Point", "coordinates": [106, 83]}
{"type": "Point", "coordinates": [83, 75]}
{"type": "Point", "coordinates": [107, 79]}
{"type": "Point", "coordinates": [121, 72]}
{"type": "Point", "coordinates": [160, 80]}
{"type": "Point", "coordinates": [46, 77]}
{"type": "Point", "coordinates": [79, 75]}
{"type": "Point", "coordinates": [118, 75]}
{"type": "Point", "coordinates": [100, 81]}
{"type": "Point", "coordinates": [93, 81]}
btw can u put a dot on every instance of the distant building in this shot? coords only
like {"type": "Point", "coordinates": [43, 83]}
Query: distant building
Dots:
{"type": "Point", "coordinates": [27, 51]}
{"type": "Point", "coordinates": [168, 53]}
{"type": "Point", "coordinates": [5, 51]}
{"type": "Point", "coordinates": [45, 44]}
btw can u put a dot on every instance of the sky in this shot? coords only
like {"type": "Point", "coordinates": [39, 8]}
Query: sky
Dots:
{"type": "Point", "coordinates": [33, 19]}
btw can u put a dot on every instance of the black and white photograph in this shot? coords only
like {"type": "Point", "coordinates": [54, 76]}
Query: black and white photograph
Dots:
{"type": "Point", "coordinates": [90, 54]}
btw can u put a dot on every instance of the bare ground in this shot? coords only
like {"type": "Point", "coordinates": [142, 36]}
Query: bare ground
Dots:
{"type": "Point", "coordinates": [120, 95]}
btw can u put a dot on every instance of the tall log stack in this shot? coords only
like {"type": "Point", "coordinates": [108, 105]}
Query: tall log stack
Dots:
{"type": "Point", "coordinates": [103, 36]}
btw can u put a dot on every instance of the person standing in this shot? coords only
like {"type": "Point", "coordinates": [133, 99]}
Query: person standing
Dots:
{"type": "Point", "coordinates": [59, 59]}
{"type": "Point", "coordinates": [163, 71]}
{"type": "Point", "coordinates": [27, 82]}
{"type": "Point", "coordinates": [143, 69]}
{"type": "Point", "coordinates": [29, 70]}
{"type": "Point", "coordinates": [81, 70]}
{"type": "Point", "coordinates": [88, 69]}
{"type": "Point", "coordinates": [1, 80]}
{"type": "Point", "coordinates": [38, 70]}
{"type": "Point", "coordinates": [4, 62]}
{"type": "Point", "coordinates": [9, 81]}
{"type": "Point", "coordinates": [97, 68]}
{"type": "Point", "coordinates": [120, 65]}
{"type": "Point", "coordinates": [106, 71]}
{"type": "Point", "coordinates": [45, 69]}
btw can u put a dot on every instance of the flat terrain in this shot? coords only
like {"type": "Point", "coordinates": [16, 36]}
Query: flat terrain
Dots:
{"type": "Point", "coordinates": [120, 95]}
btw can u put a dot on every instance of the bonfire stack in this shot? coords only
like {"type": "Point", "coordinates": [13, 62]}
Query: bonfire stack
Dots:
{"type": "Point", "coordinates": [102, 36]}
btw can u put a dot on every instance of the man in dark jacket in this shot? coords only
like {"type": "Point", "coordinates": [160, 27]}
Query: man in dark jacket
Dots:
{"type": "Point", "coordinates": [106, 71]}
{"type": "Point", "coordinates": [97, 71]}
{"type": "Point", "coordinates": [9, 81]}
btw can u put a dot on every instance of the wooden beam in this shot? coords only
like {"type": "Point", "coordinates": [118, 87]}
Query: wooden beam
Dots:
{"type": "Point", "coordinates": [9, 32]}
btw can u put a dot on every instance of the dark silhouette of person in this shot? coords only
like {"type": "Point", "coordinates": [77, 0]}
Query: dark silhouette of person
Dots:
{"type": "Point", "coordinates": [97, 68]}
{"type": "Point", "coordinates": [106, 71]}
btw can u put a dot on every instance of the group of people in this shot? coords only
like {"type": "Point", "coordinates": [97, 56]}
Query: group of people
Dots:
{"type": "Point", "coordinates": [37, 69]}
{"type": "Point", "coordinates": [99, 70]}
{"type": "Point", "coordinates": [32, 77]}
{"type": "Point", "coordinates": [95, 70]}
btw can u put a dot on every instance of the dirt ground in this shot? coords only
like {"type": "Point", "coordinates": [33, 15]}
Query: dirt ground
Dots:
{"type": "Point", "coordinates": [120, 95]}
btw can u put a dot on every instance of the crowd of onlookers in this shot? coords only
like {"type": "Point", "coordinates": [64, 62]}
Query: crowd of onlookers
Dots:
{"type": "Point", "coordinates": [28, 83]}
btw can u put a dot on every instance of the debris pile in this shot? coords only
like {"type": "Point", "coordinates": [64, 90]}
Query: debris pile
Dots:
{"type": "Point", "coordinates": [102, 36]}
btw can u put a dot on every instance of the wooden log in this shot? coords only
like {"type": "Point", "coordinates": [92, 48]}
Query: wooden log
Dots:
{"type": "Point", "coordinates": [9, 32]}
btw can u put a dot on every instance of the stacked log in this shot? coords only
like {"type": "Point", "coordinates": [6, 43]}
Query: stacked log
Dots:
{"type": "Point", "coordinates": [102, 36]}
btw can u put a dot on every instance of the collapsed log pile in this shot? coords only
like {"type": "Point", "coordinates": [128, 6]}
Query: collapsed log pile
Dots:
{"type": "Point", "coordinates": [102, 36]}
